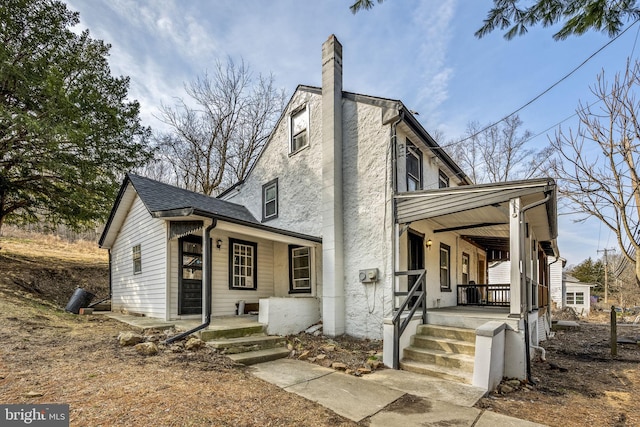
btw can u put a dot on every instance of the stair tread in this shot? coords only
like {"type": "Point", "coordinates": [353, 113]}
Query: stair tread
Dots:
{"type": "Point", "coordinates": [459, 356]}
{"type": "Point", "coordinates": [443, 339]}
{"type": "Point", "coordinates": [258, 356]}
{"type": "Point", "coordinates": [449, 373]}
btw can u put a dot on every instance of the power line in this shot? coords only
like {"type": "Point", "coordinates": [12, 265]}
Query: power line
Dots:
{"type": "Point", "coordinates": [552, 86]}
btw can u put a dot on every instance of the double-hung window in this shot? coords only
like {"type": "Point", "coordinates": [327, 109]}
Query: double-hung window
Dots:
{"type": "Point", "coordinates": [243, 267]}
{"type": "Point", "coordinates": [299, 129]}
{"type": "Point", "coordinates": [443, 180]}
{"type": "Point", "coordinates": [299, 269]}
{"type": "Point", "coordinates": [136, 254]}
{"type": "Point", "coordinates": [270, 200]}
{"type": "Point", "coordinates": [445, 262]}
{"type": "Point", "coordinates": [414, 167]}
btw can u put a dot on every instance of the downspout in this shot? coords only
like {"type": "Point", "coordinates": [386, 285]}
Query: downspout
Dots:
{"type": "Point", "coordinates": [549, 291]}
{"type": "Point", "coordinates": [394, 190]}
{"type": "Point", "coordinates": [208, 290]}
{"type": "Point", "coordinates": [523, 252]}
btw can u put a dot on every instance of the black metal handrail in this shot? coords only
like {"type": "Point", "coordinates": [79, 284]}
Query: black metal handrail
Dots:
{"type": "Point", "coordinates": [418, 295]}
{"type": "Point", "coordinates": [484, 295]}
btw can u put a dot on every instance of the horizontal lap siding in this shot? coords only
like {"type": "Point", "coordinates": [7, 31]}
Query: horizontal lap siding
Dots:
{"type": "Point", "coordinates": [143, 292]}
{"type": "Point", "coordinates": [225, 299]}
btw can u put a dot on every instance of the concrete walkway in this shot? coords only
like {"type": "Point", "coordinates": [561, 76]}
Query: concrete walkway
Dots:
{"type": "Point", "coordinates": [388, 397]}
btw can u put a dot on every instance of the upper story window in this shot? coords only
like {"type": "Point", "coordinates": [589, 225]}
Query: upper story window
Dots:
{"type": "Point", "coordinates": [270, 200]}
{"type": "Point", "coordinates": [136, 254]}
{"type": "Point", "coordinates": [414, 167]}
{"type": "Point", "coordinates": [299, 130]}
{"type": "Point", "coordinates": [443, 180]}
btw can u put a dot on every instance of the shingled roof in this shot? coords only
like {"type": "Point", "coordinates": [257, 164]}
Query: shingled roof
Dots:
{"type": "Point", "coordinates": [160, 197]}
{"type": "Point", "coordinates": [164, 201]}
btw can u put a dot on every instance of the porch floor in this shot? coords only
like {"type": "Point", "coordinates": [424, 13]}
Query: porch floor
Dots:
{"type": "Point", "coordinates": [217, 323]}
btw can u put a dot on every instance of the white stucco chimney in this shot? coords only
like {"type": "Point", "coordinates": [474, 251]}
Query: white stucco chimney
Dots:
{"type": "Point", "coordinates": [333, 305]}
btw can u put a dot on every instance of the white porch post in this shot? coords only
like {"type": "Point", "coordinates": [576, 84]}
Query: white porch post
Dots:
{"type": "Point", "coordinates": [515, 242]}
{"type": "Point", "coordinates": [206, 263]}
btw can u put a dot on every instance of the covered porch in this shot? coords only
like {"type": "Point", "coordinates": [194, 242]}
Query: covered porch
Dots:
{"type": "Point", "coordinates": [463, 230]}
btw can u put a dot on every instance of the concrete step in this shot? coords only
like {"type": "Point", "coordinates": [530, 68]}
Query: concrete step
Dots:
{"type": "Point", "coordinates": [443, 344]}
{"type": "Point", "coordinates": [246, 344]}
{"type": "Point", "coordinates": [219, 332]}
{"type": "Point", "coordinates": [437, 371]}
{"type": "Point", "coordinates": [462, 334]}
{"type": "Point", "coordinates": [259, 356]}
{"type": "Point", "coordinates": [462, 362]}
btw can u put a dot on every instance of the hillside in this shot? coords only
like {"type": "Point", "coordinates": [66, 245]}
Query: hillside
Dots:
{"type": "Point", "coordinates": [48, 268]}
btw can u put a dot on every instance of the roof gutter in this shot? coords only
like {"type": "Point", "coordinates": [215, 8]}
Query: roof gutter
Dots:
{"type": "Point", "coordinates": [207, 290]}
{"type": "Point", "coordinates": [192, 211]}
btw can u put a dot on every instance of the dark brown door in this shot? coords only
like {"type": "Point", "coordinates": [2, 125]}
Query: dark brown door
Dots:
{"type": "Point", "coordinates": [416, 257]}
{"type": "Point", "coordinates": [190, 275]}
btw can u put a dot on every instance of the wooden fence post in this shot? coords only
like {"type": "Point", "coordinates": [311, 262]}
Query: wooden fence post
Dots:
{"type": "Point", "coordinates": [614, 332]}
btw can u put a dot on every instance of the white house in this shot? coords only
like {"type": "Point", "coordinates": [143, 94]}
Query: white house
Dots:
{"type": "Point", "coordinates": [355, 216]}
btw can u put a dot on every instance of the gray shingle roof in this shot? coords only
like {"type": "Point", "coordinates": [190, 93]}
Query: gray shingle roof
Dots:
{"type": "Point", "coordinates": [158, 197]}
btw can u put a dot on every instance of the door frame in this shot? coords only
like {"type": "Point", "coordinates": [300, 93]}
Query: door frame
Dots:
{"type": "Point", "coordinates": [194, 239]}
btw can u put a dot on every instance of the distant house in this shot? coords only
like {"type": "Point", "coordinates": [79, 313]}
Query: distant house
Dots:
{"type": "Point", "coordinates": [354, 216]}
{"type": "Point", "coordinates": [567, 291]}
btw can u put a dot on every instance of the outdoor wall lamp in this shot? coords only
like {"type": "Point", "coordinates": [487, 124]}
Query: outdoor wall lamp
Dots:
{"type": "Point", "coordinates": [218, 243]}
{"type": "Point", "coordinates": [429, 243]}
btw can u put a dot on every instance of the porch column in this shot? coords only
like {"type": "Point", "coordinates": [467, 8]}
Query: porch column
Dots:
{"type": "Point", "coordinates": [515, 249]}
{"type": "Point", "coordinates": [206, 270]}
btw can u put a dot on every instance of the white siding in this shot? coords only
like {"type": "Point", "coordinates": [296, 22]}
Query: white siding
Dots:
{"type": "Point", "coordinates": [225, 299]}
{"type": "Point", "coordinates": [555, 277]}
{"type": "Point", "coordinates": [499, 272]}
{"type": "Point", "coordinates": [144, 292]}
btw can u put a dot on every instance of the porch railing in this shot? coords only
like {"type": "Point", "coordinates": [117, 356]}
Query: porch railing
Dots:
{"type": "Point", "coordinates": [415, 299]}
{"type": "Point", "coordinates": [484, 295]}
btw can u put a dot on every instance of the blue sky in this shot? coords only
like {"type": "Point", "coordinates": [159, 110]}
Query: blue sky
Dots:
{"type": "Point", "coordinates": [420, 51]}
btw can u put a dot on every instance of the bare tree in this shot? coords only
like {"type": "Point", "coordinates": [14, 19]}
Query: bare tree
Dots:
{"type": "Point", "coordinates": [219, 131]}
{"type": "Point", "coordinates": [498, 153]}
{"type": "Point", "coordinates": [597, 163]}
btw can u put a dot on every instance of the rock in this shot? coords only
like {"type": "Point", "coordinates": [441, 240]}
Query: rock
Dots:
{"type": "Point", "coordinates": [321, 356]}
{"type": "Point", "coordinates": [513, 383]}
{"type": "Point", "coordinates": [504, 389]}
{"type": "Point", "coordinates": [289, 346]}
{"type": "Point", "coordinates": [147, 348]}
{"type": "Point", "coordinates": [317, 333]}
{"type": "Point", "coordinates": [194, 344]}
{"type": "Point", "coordinates": [34, 394]}
{"type": "Point", "coordinates": [129, 338]}
{"type": "Point", "coordinates": [328, 348]}
{"type": "Point", "coordinates": [311, 359]}
{"type": "Point", "coordinates": [313, 329]}
{"type": "Point", "coordinates": [304, 355]}
{"type": "Point", "coordinates": [351, 372]}
{"type": "Point", "coordinates": [375, 364]}
{"type": "Point", "coordinates": [338, 366]}
{"type": "Point", "coordinates": [176, 348]}
{"type": "Point", "coordinates": [364, 370]}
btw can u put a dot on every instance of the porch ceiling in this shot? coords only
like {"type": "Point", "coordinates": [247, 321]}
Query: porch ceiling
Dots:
{"type": "Point", "coordinates": [480, 213]}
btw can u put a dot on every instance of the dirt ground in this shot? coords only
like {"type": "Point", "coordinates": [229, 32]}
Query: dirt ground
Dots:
{"type": "Point", "coordinates": [49, 356]}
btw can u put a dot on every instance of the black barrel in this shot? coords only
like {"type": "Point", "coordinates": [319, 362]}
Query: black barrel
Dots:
{"type": "Point", "coordinates": [79, 299]}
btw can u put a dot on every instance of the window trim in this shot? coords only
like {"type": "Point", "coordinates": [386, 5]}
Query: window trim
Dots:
{"type": "Point", "coordinates": [293, 290]}
{"type": "Point", "coordinates": [303, 110]}
{"type": "Point", "coordinates": [136, 258]}
{"type": "Point", "coordinates": [254, 245]}
{"type": "Point", "coordinates": [265, 187]}
{"type": "Point", "coordinates": [412, 150]}
{"type": "Point", "coordinates": [468, 273]}
{"type": "Point", "coordinates": [443, 178]}
{"type": "Point", "coordinates": [446, 287]}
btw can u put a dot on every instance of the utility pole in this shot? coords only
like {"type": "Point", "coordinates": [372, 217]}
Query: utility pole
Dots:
{"type": "Point", "coordinates": [606, 280]}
